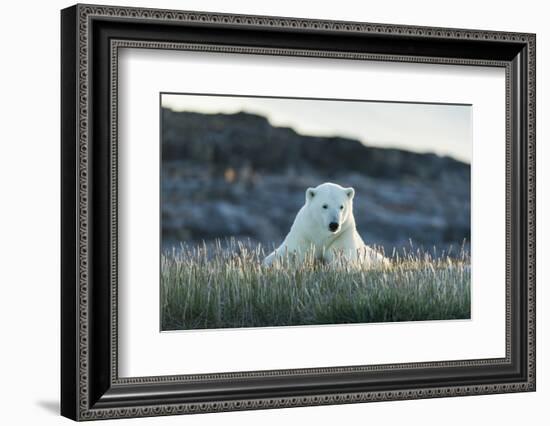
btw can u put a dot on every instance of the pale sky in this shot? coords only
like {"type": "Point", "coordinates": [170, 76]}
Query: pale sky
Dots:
{"type": "Point", "coordinates": [438, 128]}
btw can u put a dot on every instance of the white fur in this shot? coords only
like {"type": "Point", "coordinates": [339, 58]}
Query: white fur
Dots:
{"type": "Point", "coordinates": [310, 232]}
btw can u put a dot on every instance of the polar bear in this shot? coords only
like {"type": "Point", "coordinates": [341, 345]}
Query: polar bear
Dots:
{"type": "Point", "coordinates": [325, 228]}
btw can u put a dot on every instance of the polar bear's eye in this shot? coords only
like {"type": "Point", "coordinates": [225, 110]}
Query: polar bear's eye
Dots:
{"type": "Point", "coordinates": [342, 207]}
{"type": "Point", "coordinates": [325, 206]}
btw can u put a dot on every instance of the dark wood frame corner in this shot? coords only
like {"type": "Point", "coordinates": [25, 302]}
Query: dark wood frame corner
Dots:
{"type": "Point", "coordinates": [90, 38]}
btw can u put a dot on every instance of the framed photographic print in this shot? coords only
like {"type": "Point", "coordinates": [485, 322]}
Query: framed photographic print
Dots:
{"type": "Point", "coordinates": [263, 212]}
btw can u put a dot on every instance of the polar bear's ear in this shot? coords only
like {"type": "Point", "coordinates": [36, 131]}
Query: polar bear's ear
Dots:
{"type": "Point", "coordinates": [350, 192]}
{"type": "Point", "coordinates": [310, 193]}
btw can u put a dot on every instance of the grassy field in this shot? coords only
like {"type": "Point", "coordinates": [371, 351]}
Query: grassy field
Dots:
{"type": "Point", "coordinates": [221, 288]}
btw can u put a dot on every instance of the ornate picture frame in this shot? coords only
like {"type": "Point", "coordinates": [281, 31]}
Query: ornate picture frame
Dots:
{"type": "Point", "coordinates": [91, 37]}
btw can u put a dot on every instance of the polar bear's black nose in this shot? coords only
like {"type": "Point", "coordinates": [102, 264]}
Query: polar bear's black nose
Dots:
{"type": "Point", "coordinates": [333, 226]}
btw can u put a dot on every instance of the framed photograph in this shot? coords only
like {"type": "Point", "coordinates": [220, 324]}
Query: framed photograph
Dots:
{"type": "Point", "coordinates": [263, 212]}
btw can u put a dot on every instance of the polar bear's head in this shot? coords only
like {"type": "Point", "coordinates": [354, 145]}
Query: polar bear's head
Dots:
{"type": "Point", "coordinates": [330, 206]}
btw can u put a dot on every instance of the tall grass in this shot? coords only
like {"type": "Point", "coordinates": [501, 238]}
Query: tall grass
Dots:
{"type": "Point", "coordinates": [229, 287]}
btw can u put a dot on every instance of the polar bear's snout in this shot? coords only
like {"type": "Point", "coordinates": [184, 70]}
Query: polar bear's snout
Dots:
{"type": "Point", "coordinates": [333, 226]}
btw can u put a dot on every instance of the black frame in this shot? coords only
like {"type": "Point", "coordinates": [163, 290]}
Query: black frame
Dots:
{"type": "Point", "coordinates": [90, 38]}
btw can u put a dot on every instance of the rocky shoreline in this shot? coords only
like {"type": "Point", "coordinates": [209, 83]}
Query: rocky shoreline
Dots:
{"type": "Point", "coordinates": [236, 176]}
